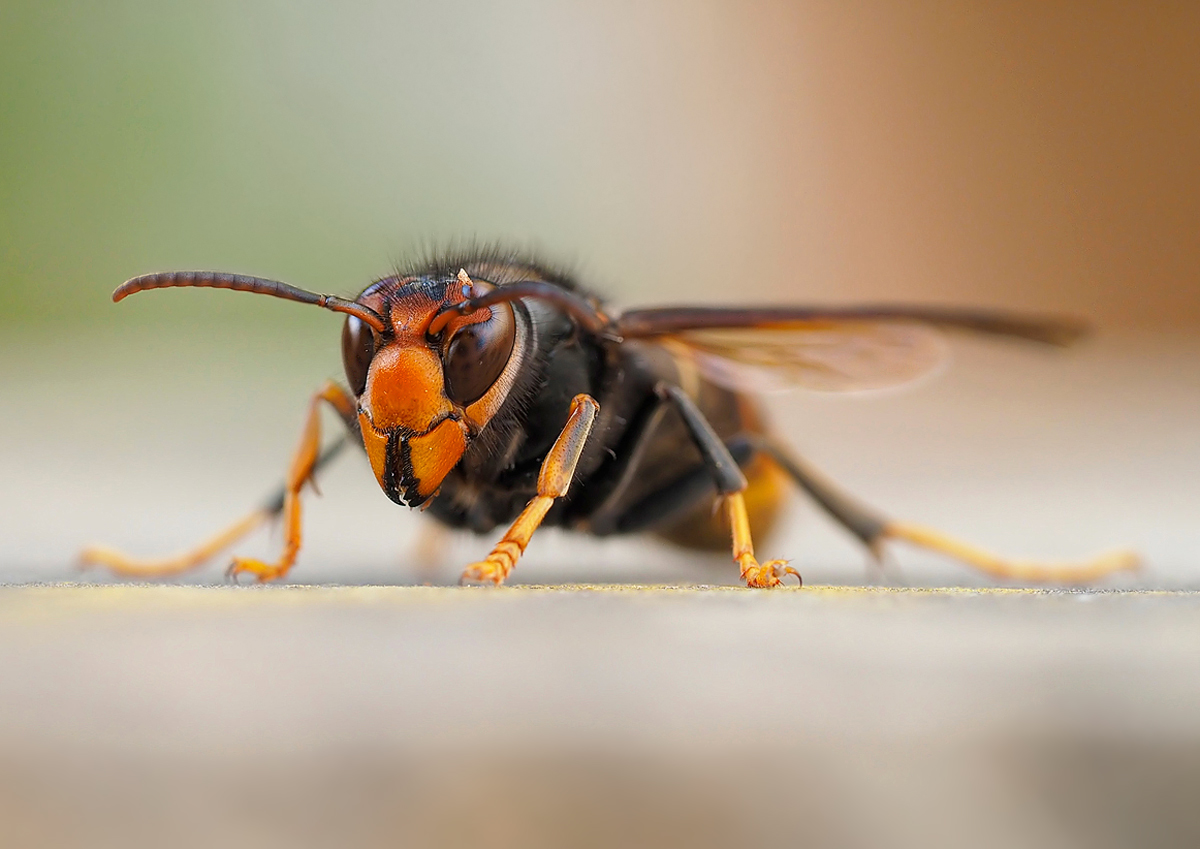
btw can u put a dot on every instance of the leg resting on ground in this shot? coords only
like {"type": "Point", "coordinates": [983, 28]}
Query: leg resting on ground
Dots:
{"type": "Point", "coordinates": [304, 466]}
{"type": "Point", "coordinates": [555, 478]}
{"type": "Point", "coordinates": [874, 530]}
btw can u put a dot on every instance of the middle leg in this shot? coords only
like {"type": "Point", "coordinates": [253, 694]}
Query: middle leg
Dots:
{"type": "Point", "coordinates": [731, 484]}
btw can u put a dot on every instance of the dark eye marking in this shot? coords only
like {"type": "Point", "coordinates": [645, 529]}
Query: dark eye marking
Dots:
{"type": "Point", "coordinates": [477, 354]}
{"type": "Point", "coordinates": [358, 347]}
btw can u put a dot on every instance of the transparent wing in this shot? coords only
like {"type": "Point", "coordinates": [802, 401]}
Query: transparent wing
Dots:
{"type": "Point", "coordinates": [826, 356]}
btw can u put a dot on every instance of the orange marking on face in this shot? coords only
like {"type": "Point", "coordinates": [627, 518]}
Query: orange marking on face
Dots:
{"type": "Point", "coordinates": [376, 445]}
{"type": "Point", "coordinates": [434, 454]}
{"type": "Point", "coordinates": [405, 388]}
{"type": "Point", "coordinates": [411, 315]}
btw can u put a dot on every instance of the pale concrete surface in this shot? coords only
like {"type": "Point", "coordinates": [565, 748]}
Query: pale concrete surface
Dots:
{"type": "Point", "coordinates": [319, 716]}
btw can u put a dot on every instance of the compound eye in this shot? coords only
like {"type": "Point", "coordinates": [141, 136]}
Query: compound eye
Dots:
{"type": "Point", "coordinates": [477, 354]}
{"type": "Point", "coordinates": [358, 347]}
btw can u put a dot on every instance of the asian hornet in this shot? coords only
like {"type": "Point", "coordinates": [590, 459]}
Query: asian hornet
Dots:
{"type": "Point", "coordinates": [495, 391]}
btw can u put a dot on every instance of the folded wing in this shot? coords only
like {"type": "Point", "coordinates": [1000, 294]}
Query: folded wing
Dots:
{"type": "Point", "coordinates": [831, 350]}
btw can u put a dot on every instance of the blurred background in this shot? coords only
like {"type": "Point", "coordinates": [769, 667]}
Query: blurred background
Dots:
{"type": "Point", "coordinates": [1017, 155]}
{"type": "Point", "coordinates": [1021, 155]}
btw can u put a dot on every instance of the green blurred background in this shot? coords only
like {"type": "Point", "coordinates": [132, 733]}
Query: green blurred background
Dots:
{"type": "Point", "coordinates": [1023, 155]}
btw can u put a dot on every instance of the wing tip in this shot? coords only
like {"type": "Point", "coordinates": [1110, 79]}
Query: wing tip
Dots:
{"type": "Point", "coordinates": [1061, 332]}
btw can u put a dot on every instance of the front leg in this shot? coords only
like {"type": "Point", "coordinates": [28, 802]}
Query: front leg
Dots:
{"type": "Point", "coordinates": [304, 463]}
{"type": "Point", "coordinates": [555, 478]}
{"type": "Point", "coordinates": [284, 501]}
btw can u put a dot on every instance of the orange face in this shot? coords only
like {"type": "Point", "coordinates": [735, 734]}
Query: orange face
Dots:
{"type": "Point", "coordinates": [430, 382]}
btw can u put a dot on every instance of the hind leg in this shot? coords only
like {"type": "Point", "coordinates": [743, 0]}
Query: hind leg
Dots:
{"type": "Point", "coordinates": [874, 530]}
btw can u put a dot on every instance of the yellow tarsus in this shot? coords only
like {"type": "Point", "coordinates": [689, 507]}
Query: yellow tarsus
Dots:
{"type": "Point", "coordinates": [1021, 571]}
{"type": "Point", "coordinates": [755, 574]}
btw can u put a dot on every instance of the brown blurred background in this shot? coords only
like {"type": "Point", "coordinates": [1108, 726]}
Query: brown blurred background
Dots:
{"type": "Point", "coordinates": [1023, 155]}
